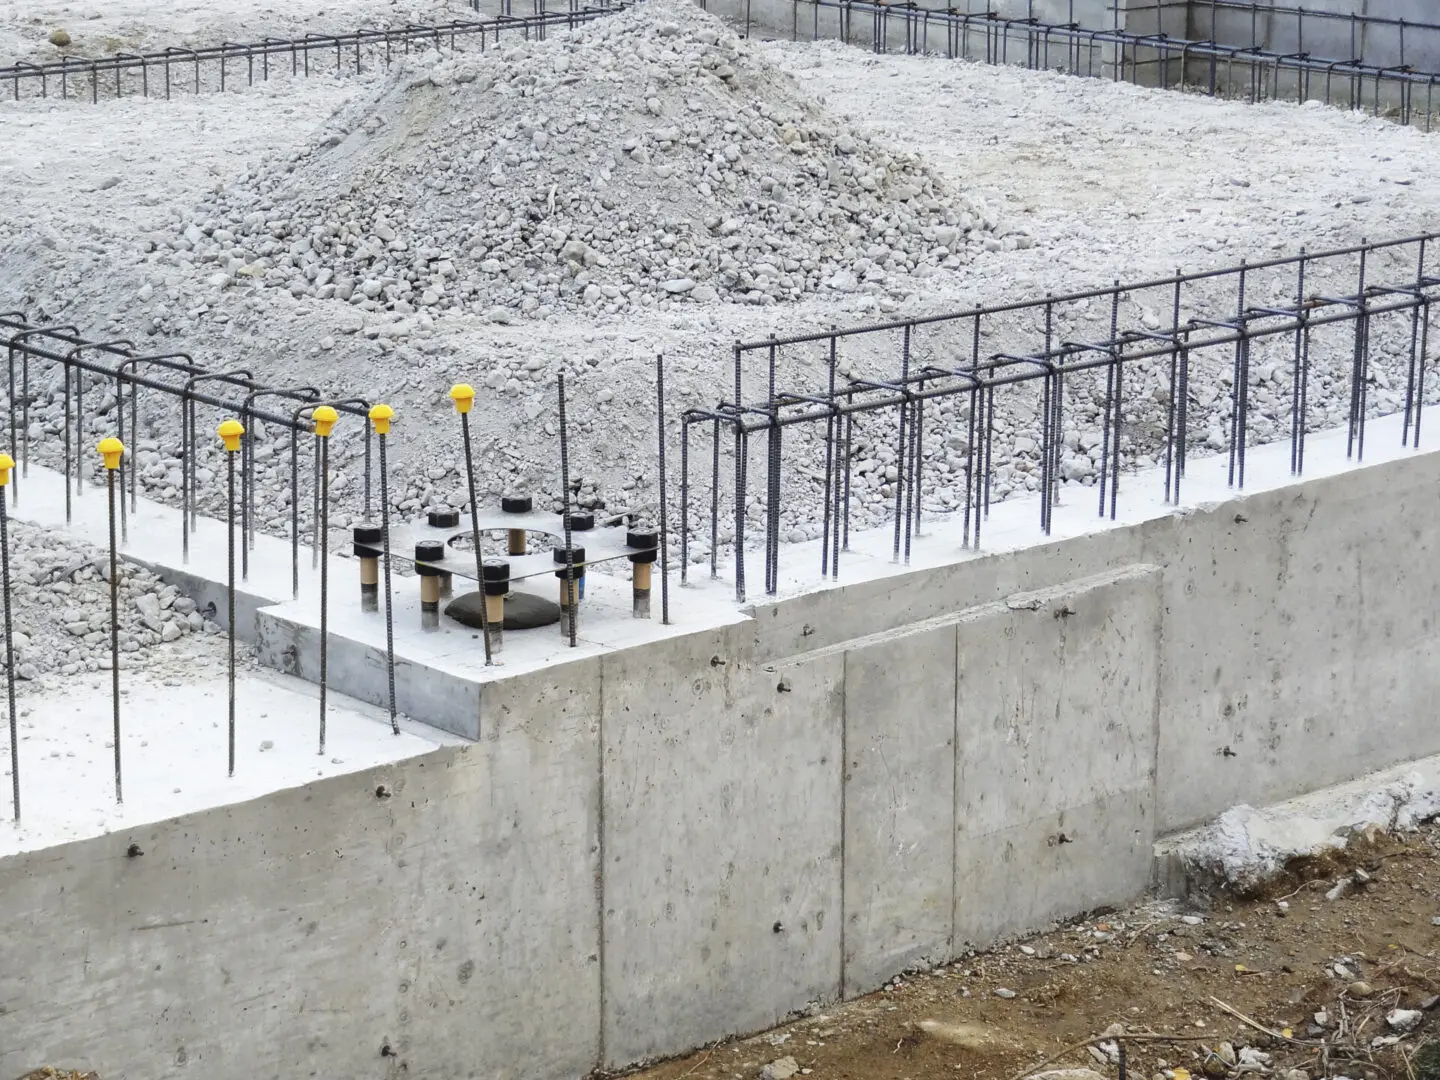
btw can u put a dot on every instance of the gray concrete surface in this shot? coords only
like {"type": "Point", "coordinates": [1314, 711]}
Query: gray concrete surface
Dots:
{"type": "Point", "coordinates": [1285, 619]}
{"type": "Point", "coordinates": [652, 847]}
{"type": "Point", "coordinates": [899, 803]}
{"type": "Point", "coordinates": [1055, 762]}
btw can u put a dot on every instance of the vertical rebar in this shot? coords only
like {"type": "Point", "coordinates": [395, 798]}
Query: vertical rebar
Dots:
{"type": "Point", "coordinates": [715, 500]}
{"type": "Point", "coordinates": [65, 382]}
{"type": "Point", "coordinates": [324, 580]}
{"type": "Point", "coordinates": [230, 596]}
{"type": "Point", "coordinates": [475, 532]}
{"type": "Point", "coordinates": [315, 514]}
{"type": "Point", "coordinates": [664, 510]}
{"type": "Point", "coordinates": [1357, 404]}
{"type": "Point", "coordinates": [10, 653]}
{"type": "Point", "coordinates": [114, 631]}
{"type": "Point", "coordinates": [571, 600]}
{"type": "Point", "coordinates": [389, 594]}
{"type": "Point", "coordinates": [830, 421]}
{"type": "Point", "coordinates": [684, 500]}
{"type": "Point", "coordinates": [900, 444]}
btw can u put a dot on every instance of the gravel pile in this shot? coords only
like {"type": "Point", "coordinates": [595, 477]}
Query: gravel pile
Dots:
{"type": "Point", "coordinates": [647, 159]}
{"type": "Point", "coordinates": [1116, 181]}
{"type": "Point", "coordinates": [61, 616]}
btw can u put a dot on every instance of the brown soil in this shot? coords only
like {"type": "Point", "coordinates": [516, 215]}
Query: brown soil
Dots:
{"type": "Point", "coordinates": [1154, 972]}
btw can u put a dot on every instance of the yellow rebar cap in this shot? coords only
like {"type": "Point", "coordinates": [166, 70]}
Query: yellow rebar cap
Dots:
{"type": "Point", "coordinates": [380, 416]}
{"type": "Point", "coordinates": [324, 417]}
{"type": "Point", "coordinates": [111, 449]}
{"type": "Point", "coordinates": [463, 394]}
{"type": "Point", "coordinates": [231, 430]}
{"type": "Point", "coordinates": [7, 465]}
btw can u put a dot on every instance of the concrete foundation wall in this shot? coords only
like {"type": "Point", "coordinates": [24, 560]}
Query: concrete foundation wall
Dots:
{"type": "Point", "coordinates": [655, 847]}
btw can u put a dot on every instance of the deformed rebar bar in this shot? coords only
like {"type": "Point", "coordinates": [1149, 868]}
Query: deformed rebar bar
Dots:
{"type": "Point", "coordinates": [348, 49]}
{"type": "Point", "coordinates": [1127, 54]}
{"type": "Point", "coordinates": [1051, 366]}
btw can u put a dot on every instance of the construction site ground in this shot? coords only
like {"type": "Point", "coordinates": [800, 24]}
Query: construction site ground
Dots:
{"type": "Point", "coordinates": [1328, 986]}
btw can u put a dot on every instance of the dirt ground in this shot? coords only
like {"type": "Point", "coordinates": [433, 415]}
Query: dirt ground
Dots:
{"type": "Point", "coordinates": [1309, 982]}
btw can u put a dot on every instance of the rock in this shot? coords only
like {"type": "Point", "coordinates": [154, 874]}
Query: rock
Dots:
{"type": "Point", "coordinates": [966, 1036]}
{"type": "Point", "coordinates": [1005, 994]}
{"type": "Point", "coordinates": [1403, 1020]}
{"type": "Point", "coordinates": [60, 38]}
{"type": "Point", "coordinates": [1341, 889]}
{"type": "Point", "coordinates": [170, 632]}
{"type": "Point", "coordinates": [148, 604]}
{"type": "Point", "coordinates": [678, 286]}
{"type": "Point", "coordinates": [1360, 989]}
{"type": "Point", "coordinates": [780, 1069]}
{"type": "Point", "coordinates": [1068, 1074]}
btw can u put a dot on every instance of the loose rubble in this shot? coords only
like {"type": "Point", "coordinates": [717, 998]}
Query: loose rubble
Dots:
{"type": "Point", "coordinates": [983, 139]}
{"type": "Point", "coordinates": [61, 614]}
{"type": "Point", "coordinates": [1206, 987]}
{"type": "Point", "coordinates": [652, 158]}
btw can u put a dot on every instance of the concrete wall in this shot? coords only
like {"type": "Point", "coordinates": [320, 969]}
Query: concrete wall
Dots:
{"type": "Point", "coordinates": [654, 848]}
{"type": "Point", "coordinates": [1339, 39]}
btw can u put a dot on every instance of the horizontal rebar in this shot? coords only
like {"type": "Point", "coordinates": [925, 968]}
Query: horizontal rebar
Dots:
{"type": "Point", "coordinates": [298, 50]}
{"type": "Point", "coordinates": [996, 31]}
{"type": "Point", "coordinates": [19, 339]}
{"type": "Point", "coordinates": [836, 406]}
{"type": "Point", "coordinates": [1088, 294]}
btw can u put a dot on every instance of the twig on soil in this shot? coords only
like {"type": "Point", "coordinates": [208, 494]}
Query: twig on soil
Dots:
{"type": "Point", "coordinates": [1303, 886]}
{"type": "Point", "coordinates": [1238, 1015]}
{"type": "Point", "coordinates": [1124, 1037]}
{"type": "Point", "coordinates": [701, 1062]}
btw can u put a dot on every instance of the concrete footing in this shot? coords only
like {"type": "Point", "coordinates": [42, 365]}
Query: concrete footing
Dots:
{"type": "Point", "coordinates": [655, 841]}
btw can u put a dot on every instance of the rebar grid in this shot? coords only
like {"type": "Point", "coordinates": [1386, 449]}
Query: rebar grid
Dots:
{"type": "Point", "coordinates": [944, 387]}
{"type": "Point", "coordinates": [1125, 55]}
{"type": "Point", "coordinates": [175, 377]}
{"type": "Point", "coordinates": [350, 50]}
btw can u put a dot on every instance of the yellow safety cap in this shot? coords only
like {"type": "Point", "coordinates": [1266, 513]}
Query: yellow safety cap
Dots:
{"type": "Point", "coordinates": [324, 417]}
{"type": "Point", "coordinates": [230, 431]}
{"type": "Point", "coordinates": [111, 449]}
{"type": "Point", "coordinates": [463, 394]}
{"type": "Point", "coordinates": [7, 464]}
{"type": "Point", "coordinates": [380, 416]}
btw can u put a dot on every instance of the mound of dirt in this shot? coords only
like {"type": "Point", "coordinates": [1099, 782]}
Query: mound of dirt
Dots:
{"type": "Point", "coordinates": [649, 157]}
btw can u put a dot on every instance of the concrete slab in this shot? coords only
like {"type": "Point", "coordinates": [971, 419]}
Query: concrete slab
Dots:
{"type": "Point", "coordinates": [440, 674]}
{"type": "Point", "coordinates": [174, 747]}
{"type": "Point", "coordinates": [899, 806]}
{"type": "Point", "coordinates": [1055, 754]}
{"type": "Point", "coordinates": [722, 831]}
